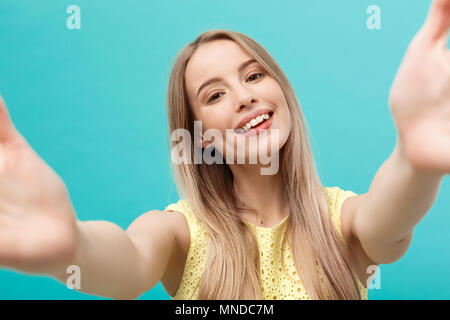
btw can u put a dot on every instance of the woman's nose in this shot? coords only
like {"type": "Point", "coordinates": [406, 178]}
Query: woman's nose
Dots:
{"type": "Point", "coordinates": [245, 102]}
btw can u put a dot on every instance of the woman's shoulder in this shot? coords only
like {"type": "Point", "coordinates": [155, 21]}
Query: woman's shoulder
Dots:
{"type": "Point", "coordinates": [182, 207]}
{"type": "Point", "coordinates": [169, 223]}
{"type": "Point", "coordinates": [335, 195]}
{"type": "Point", "coordinates": [335, 200]}
{"type": "Point", "coordinates": [175, 216]}
{"type": "Point", "coordinates": [183, 218]}
{"type": "Point", "coordinates": [192, 243]}
{"type": "Point", "coordinates": [187, 221]}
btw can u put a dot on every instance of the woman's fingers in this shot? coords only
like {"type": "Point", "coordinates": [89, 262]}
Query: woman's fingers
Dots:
{"type": "Point", "coordinates": [438, 22]}
{"type": "Point", "coordinates": [7, 129]}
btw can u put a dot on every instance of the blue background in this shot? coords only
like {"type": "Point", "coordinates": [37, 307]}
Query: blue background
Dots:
{"type": "Point", "coordinates": [91, 102]}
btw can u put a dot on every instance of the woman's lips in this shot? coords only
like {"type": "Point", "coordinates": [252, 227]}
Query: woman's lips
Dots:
{"type": "Point", "coordinates": [264, 126]}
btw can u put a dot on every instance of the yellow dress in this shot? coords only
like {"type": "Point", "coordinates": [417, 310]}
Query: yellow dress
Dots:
{"type": "Point", "coordinates": [276, 285]}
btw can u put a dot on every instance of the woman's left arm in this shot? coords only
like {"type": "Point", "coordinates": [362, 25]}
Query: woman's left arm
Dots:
{"type": "Point", "coordinates": [406, 185]}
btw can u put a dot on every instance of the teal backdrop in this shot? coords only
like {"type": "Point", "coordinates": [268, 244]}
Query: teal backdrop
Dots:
{"type": "Point", "coordinates": [91, 102]}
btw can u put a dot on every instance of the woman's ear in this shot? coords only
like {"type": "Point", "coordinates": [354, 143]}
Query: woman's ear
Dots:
{"type": "Point", "coordinates": [202, 144]}
{"type": "Point", "coordinates": [206, 145]}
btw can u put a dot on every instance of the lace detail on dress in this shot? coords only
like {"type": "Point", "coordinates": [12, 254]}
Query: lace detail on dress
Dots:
{"type": "Point", "coordinates": [276, 283]}
{"type": "Point", "coordinates": [196, 258]}
{"type": "Point", "coordinates": [335, 199]}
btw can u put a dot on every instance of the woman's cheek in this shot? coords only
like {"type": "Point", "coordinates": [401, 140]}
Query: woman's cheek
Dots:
{"type": "Point", "coordinates": [218, 122]}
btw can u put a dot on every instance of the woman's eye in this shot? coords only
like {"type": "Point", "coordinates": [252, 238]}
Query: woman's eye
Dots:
{"type": "Point", "coordinates": [256, 74]}
{"type": "Point", "coordinates": [214, 95]}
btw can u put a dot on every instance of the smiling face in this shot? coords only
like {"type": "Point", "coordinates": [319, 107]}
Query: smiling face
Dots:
{"type": "Point", "coordinates": [227, 88]}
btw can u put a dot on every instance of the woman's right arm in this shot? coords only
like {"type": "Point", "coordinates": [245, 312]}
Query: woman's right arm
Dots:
{"type": "Point", "coordinates": [122, 264]}
{"type": "Point", "coordinates": [40, 234]}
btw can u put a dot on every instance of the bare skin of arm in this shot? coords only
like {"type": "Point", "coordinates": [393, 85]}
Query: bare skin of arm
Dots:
{"type": "Point", "coordinates": [122, 264]}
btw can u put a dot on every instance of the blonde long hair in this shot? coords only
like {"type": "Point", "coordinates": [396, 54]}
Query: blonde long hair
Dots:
{"type": "Point", "coordinates": [232, 265]}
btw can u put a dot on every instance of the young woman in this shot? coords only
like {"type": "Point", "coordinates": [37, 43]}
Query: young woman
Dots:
{"type": "Point", "coordinates": [237, 233]}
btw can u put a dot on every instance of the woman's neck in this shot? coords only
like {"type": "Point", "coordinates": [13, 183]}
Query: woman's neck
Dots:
{"type": "Point", "coordinates": [260, 192]}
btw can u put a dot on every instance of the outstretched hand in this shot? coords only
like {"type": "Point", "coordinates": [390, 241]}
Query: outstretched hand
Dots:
{"type": "Point", "coordinates": [37, 221]}
{"type": "Point", "coordinates": [420, 95]}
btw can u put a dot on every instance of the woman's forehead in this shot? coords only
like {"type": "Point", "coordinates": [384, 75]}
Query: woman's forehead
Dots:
{"type": "Point", "coordinates": [213, 59]}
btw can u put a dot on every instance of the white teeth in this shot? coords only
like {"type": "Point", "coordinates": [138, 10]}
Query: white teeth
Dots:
{"type": "Point", "coordinates": [254, 122]}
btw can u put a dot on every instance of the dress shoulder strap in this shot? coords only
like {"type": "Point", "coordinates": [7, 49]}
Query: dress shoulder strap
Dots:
{"type": "Point", "coordinates": [335, 200]}
{"type": "Point", "coordinates": [195, 260]}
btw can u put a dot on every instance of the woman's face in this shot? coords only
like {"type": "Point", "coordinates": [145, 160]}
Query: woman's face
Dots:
{"type": "Point", "coordinates": [226, 90]}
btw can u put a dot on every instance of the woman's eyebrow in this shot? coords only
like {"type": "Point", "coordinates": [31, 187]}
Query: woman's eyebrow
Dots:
{"type": "Point", "coordinates": [218, 79]}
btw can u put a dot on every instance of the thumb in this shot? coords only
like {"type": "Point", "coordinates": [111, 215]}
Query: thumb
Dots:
{"type": "Point", "coordinates": [438, 21]}
{"type": "Point", "coordinates": [7, 129]}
